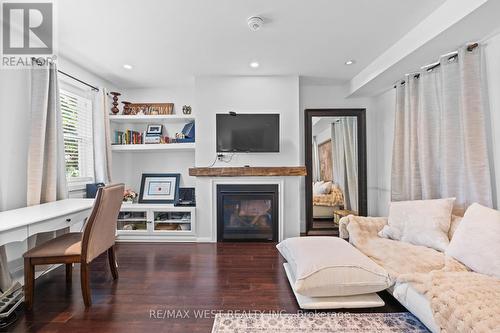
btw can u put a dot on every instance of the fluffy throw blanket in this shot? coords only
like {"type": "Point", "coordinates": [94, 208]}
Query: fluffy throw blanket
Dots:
{"type": "Point", "coordinates": [461, 301]}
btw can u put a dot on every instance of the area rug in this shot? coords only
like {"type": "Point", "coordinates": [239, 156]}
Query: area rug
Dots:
{"type": "Point", "coordinates": [319, 323]}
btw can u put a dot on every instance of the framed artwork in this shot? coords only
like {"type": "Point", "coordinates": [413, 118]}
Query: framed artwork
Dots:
{"type": "Point", "coordinates": [325, 160]}
{"type": "Point", "coordinates": [155, 129]}
{"type": "Point", "coordinates": [159, 188]}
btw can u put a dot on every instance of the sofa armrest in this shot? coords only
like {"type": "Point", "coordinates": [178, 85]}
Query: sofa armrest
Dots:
{"type": "Point", "coordinates": [367, 224]}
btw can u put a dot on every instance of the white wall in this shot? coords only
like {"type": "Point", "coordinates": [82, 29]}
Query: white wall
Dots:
{"type": "Point", "coordinates": [248, 94]}
{"type": "Point", "coordinates": [14, 129]}
{"type": "Point", "coordinates": [129, 166]}
{"type": "Point", "coordinates": [334, 96]}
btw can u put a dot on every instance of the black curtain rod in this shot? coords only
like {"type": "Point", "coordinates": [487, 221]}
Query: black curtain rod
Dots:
{"type": "Point", "coordinates": [41, 62]}
{"type": "Point", "coordinates": [76, 79]}
{"type": "Point", "coordinates": [470, 48]}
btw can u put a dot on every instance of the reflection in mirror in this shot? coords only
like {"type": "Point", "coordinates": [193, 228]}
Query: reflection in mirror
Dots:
{"type": "Point", "coordinates": [334, 168]}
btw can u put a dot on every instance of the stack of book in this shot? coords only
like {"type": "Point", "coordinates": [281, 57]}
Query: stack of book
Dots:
{"type": "Point", "coordinates": [129, 137]}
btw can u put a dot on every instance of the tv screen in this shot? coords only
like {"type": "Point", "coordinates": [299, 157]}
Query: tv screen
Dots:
{"type": "Point", "coordinates": [248, 133]}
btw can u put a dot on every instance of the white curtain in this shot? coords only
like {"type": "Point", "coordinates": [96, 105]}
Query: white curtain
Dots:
{"type": "Point", "coordinates": [440, 145]}
{"type": "Point", "coordinates": [102, 137]}
{"type": "Point", "coordinates": [46, 165]}
{"type": "Point", "coordinates": [316, 162]}
{"type": "Point", "coordinates": [338, 158]}
{"type": "Point", "coordinates": [345, 160]}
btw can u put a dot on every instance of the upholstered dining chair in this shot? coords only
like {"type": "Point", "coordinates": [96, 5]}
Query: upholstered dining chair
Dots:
{"type": "Point", "coordinates": [76, 247]}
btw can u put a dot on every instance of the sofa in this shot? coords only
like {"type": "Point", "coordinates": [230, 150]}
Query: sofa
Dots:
{"type": "Point", "coordinates": [445, 294]}
{"type": "Point", "coordinates": [445, 269]}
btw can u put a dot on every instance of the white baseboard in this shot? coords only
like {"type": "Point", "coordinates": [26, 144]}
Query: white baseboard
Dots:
{"type": "Point", "coordinates": [205, 240]}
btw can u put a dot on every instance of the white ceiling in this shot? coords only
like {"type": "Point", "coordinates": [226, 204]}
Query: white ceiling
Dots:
{"type": "Point", "coordinates": [171, 41]}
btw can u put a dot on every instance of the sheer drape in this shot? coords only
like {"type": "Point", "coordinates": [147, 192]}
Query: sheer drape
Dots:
{"type": "Point", "coordinates": [46, 166]}
{"type": "Point", "coordinates": [440, 145]}
{"type": "Point", "coordinates": [102, 137]}
{"type": "Point", "coordinates": [315, 161]}
{"type": "Point", "coordinates": [345, 160]}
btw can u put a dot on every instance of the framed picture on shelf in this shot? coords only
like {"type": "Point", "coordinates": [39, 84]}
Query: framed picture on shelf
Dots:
{"type": "Point", "coordinates": [160, 188]}
{"type": "Point", "coordinates": [155, 129]}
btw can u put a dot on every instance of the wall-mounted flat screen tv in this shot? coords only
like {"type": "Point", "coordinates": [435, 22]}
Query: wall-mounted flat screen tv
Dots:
{"type": "Point", "coordinates": [248, 133]}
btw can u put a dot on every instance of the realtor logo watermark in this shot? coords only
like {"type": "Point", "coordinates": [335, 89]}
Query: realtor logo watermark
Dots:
{"type": "Point", "coordinates": [27, 31]}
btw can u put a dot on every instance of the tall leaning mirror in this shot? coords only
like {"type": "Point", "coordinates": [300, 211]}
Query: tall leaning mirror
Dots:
{"type": "Point", "coordinates": [335, 149]}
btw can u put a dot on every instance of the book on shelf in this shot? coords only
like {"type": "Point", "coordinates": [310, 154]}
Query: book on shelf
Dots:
{"type": "Point", "coordinates": [129, 137]}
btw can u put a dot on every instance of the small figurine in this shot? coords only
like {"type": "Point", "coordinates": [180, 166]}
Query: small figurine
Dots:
{"type": "Point", "coordinates": [186, 109]}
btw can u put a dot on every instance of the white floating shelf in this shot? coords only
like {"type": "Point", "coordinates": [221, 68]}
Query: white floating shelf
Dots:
{"type": "Point", "coordinates": [171, 118]}
{"type": "Point", "coordinates": [154, 147]}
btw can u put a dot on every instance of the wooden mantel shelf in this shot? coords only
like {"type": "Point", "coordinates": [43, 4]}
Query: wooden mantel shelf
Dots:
{"type": "Point", "coordinates": [248, 171]}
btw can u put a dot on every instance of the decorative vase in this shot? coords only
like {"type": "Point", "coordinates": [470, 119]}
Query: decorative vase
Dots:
{"type": "Point", "coordinates": [114, 109]}
{"type": "Point", "coordinates": [126, 108]}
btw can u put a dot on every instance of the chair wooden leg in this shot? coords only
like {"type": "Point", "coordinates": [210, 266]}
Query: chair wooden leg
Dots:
{"type": "Point", "coordinates": [112, 262]}
{"type": "Point", "coordinates": [69, 273]}
{"type": "Point", "coordinates": [85, 281]}
{"type": "Point", "coordinates": [29, 283]}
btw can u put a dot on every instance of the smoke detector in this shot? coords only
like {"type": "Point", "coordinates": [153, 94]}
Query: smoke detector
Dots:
{"type": "Point", "coordinates": [255, 23]}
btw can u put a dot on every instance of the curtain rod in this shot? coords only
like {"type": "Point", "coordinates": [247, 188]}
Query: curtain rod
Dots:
{"type": "Point", "coordinates": [451, 55]}
{"type": "Point", "coordinates": [76, 79]}
{"type": "Point", "coordinates": [40, 62]}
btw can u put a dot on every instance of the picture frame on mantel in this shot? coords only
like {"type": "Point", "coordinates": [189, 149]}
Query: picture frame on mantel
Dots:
{"type": "Point", "coordinates": [159, 188]}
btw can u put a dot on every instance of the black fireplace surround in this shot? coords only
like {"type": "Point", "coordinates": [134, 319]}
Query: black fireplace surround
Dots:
{"type": "Point", "coordinates": [247, 213]}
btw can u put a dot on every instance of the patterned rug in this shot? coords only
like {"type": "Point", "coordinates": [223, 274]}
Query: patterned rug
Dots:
{"type": "Point", "coordinates": [319, 323]}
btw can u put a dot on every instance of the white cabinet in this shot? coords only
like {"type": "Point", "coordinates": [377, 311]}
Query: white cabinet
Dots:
{"type": "Point", "coordinates": [156, 222]}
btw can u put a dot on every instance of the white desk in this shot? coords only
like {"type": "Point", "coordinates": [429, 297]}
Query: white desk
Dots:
{"type": "Point", "coordinates": [19, 224]}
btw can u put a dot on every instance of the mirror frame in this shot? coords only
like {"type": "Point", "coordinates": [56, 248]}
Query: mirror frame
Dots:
{"type": "Point", "coordinates": [360, 114]}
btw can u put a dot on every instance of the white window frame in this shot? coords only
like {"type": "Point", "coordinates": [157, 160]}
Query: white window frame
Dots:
{"type": "Point", "coordinates": [79, 183]}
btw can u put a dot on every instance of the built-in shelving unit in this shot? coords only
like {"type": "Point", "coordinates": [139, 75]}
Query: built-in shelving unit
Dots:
{"type": "Point", "coordinates": [154, 147]}
{"type": "Point", "coordinates": [154, 222]}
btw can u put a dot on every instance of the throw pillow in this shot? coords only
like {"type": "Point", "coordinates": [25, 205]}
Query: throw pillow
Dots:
{"type": "Point", "coordinates": [317, 187]}
{"type": "Point", "coordinates": [455, 222]}
{"type": "Point", "coordinates": [420, 222]}
{"type": "Point", "coordinates": [326, 188]}
{"type": "Point", "coordinates": [476, 242]}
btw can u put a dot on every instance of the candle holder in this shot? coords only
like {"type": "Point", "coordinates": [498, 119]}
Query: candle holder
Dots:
{"type": "Point", "coordinates": [114, 109]}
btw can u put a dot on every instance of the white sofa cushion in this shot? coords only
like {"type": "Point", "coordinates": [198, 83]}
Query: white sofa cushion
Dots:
{"type": "Point", "coordinates": [476, 241]}
{"type": "Point", "coordinates": [330, 266]}
{"type": "Point", "coordinates": [420, 222]}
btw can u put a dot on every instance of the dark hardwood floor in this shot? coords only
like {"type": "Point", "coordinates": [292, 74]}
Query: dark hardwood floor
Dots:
{"type": "Point", "coordinates": [167, 280]}
{"type": "Point", "coordinates": [323, 227]}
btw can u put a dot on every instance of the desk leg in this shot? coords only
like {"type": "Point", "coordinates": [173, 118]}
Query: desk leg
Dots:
{"type": "Point", "coordinates": [29, 283]}
{"type": "Point", "coordinates": [69, 273]}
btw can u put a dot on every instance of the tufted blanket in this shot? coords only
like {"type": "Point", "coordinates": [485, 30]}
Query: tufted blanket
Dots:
{"type": "Point", "coordinates": [461, 301]}
{"type": "Point", "coordinates": [396, 257]}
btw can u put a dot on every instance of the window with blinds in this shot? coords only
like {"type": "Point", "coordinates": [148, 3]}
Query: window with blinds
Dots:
{"type": "Point", "coordinates": [78, 145]}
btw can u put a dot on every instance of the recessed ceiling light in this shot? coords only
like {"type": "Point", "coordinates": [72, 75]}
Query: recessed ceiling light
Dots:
{"type": "Point", "coordinates": [350, 62]}
{"type": "Point", "coordinates": [254, 64]}
{"type": "Point", "coordinates": [127, 66]}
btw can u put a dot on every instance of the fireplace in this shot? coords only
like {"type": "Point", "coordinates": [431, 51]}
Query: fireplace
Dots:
{"type": "Point", "coordinates": [247, 213]}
